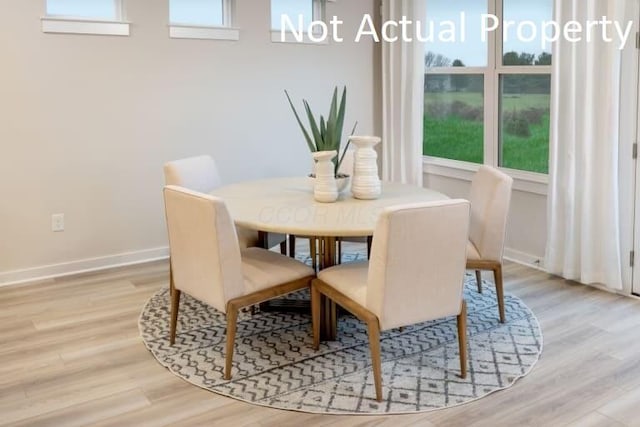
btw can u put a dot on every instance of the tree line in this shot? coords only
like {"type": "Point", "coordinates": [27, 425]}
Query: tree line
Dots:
{"type": "Point", "coordinates": [511, 83]}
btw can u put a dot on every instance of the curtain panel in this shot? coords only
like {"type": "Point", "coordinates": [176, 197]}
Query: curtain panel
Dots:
{"type": "Point", "coordinates": [584, 227]}
{"type": "Point", "coordinates": [402, 97]}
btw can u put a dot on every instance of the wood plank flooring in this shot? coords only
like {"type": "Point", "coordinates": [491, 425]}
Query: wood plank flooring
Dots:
{"type": "Point", "coordinates": [70, 355]}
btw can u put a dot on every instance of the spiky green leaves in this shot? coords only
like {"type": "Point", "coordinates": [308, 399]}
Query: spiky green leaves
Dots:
{"type": "Point", "coordinates": [325, 135]}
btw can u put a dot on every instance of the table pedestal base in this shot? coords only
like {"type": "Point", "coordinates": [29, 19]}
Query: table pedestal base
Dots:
{"type": "Point", "coordinates": [328, 313]}
{"type": "Point", "coordinates": [328, 310]}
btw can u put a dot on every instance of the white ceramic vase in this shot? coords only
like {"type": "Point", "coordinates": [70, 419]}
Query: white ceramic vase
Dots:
{"type": "Point", "coordinates": [365, 183]}
{"type": "Point", "coordinates": [325, 189]}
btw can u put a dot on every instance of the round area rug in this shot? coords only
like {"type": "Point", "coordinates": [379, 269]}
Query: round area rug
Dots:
{"type": "Point", "coordinates": [275, 365]}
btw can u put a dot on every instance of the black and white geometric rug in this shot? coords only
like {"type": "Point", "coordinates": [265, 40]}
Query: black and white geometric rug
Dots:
{"type": "Point", "coordinates": [274, 363]}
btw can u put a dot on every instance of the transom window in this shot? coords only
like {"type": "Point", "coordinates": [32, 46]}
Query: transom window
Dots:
{"type": "Point", "coordinates": [95, 9]}
{"type": "Point", "coordinates": [98, 17]}
{"type": "Point", "coordinates": [487, 99]}
{"type": "Point", "coordinates": [210, 13]}
{"type": "Point", "coordinates": [308, 10]}
{"type": "Point", "coordinates": [202, 19]}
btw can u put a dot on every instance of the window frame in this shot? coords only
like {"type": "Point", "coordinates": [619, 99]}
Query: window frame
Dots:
{"type": "Point", "coordinates": [226, 31]}
{"type": "Point", "coordinates": [69, 24]}
{"type": "Point", "coordinates": [533, 182]}
{"type": "Point", "coordinates": [319, 13]}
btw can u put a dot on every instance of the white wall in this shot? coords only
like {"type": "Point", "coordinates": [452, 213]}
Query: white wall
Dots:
{"type": "Point", "coordinates": [86, 123]}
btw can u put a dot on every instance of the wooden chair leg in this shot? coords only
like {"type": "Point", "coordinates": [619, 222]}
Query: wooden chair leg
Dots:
{"type": "Point", "coordinates": [313, 251]}
{"type": "Point", "coordinates": [172, 285]}
{"type": "Point", "coordinates": [339, 260]}
{"type": "Point", "coordinates": [369, 242]}
{"type": "Point", "coordinates": [232, 319]}
{"type": "Point", "coordinates": [376, 362]}
{"type": "Point", "coordinates": [175, 306]}
{"type": "Point", "coordinates": [283, 247]}
{"type": "Point", "coordinates": [315, 316]}
{"type": "Point", "coordinates": [462, 339]}
{"type": "Point", "coordinates": [497, 277]}
{"type": "Point", "coordinates": [292, 245]}
{"type": "Point", "coordinates": [479, 280]}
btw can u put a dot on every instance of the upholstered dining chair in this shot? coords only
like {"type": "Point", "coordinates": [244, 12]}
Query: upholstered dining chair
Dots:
{"type": "Point", "coordinates": [208, 264]}
{"type": "Point", "coordinates": [490, 198]}
{"type": "Point", "coordinates": [200, 173]}
{"type": "Point", "coordinates": [415, 274]}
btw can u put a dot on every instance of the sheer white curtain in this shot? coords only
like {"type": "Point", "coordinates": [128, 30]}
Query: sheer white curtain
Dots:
{"type": "Point", "coordinates": [583, 241]}
{"type": "Point", "coordinates": [402, 97]}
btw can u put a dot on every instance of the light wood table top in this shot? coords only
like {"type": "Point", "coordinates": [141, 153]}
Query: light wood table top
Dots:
{"type": "Point", "coordinates": [286, 205]}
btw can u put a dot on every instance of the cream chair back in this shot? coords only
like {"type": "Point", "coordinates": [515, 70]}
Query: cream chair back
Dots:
{"type": "Point", "coordinates": [205, 256]}
{"type": "Point", "coordinates": [198, 173]}
{"type": "Point", "coordinates": [417, 264]}
{"type": "Point", "coordinates": [490, 198]}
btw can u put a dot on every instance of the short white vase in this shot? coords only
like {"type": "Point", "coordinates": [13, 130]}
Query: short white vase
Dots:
{"type": "Point", "coordinates": [365, 183]}
{"type": "Point", "coordinates": [342, 182]}
{"type": "Point", "coordinates": [325, 189]}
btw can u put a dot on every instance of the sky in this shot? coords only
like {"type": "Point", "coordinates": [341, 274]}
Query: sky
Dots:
{"type": "Point", "coordinates": [196, 12]}
{"type": "Point", "coordinates": [293, 8]}
{"type": "Point", "coordinates": [473, 52]}
{"type": "Point", "coordinates": [82, 8]}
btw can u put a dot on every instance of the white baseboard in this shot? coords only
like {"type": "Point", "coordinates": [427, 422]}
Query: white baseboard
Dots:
{"type": "Point", "coordinates": [140, 257]}
{"type": "Point", "coordinates": [82, 266]}
{"type": "Point", "coordinates": [523, 258]}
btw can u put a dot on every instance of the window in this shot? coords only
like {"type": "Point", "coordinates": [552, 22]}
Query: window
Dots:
{"type": "Point", "coordinates": [85, 17]}
{"type": "Point", "coordinates": [97, 9]}
{"type": "Point", "coordinates": [202, 19]}
{"type": "Point", "coordinates": [487, 98]}
{"type": "Point", "coordinates": [299, 12]}
{"type": "Point", "coordinates": [197, 12]}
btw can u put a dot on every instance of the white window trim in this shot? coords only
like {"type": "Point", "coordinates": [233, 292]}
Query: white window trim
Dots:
{"type": "Point", "coordinates": [319, 14]}
{"type": "Point", "coordinates": [70, 25]}
{"type": "Point", "coordinates": [279, 36]}
{"type": "Point", "coordinates": [526, 181]}
{"type": "Point", "coordinates": [180, 31]}
{"type": "Point", "coordinates": [226, 31]}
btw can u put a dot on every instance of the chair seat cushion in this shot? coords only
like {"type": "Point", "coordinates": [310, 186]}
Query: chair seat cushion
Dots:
{"type": "Point", "coordinates": [262, 269]}
{"type": "Point", "coordinates": [472, 252]}
{"type": "Point", "coordinates": [349, 279]}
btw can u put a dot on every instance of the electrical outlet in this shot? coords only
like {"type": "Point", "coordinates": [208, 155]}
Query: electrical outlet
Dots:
{"type": "Point", "coordinates": [57, 222]}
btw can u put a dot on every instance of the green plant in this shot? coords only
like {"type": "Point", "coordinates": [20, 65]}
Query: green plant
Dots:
{"type": "Point", "coordinates": [325, 134]}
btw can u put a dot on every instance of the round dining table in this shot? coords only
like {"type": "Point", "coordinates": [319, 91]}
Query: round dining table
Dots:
{"type": "Point", "coordinates": [287, 205]}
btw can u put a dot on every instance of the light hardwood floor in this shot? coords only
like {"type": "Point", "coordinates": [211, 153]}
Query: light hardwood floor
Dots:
{"type": "Point", "coordinates": [70, 355]}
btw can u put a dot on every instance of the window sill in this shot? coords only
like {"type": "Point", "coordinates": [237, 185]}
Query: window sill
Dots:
{"type": "Point", "coordinates": [528, 182]}
{"type": "Point", "coordinates": [84, 26]}
{"type": "Point", "coordinates": [278, 36]}
{"type": "Point", "coordinates": [177, 31]}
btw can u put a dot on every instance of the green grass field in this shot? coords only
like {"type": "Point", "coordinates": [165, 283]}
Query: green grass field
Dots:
{"type": "Point", "coordinates": [475, 99]}
{"type": "Point", "coordinates": [459, 139]}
